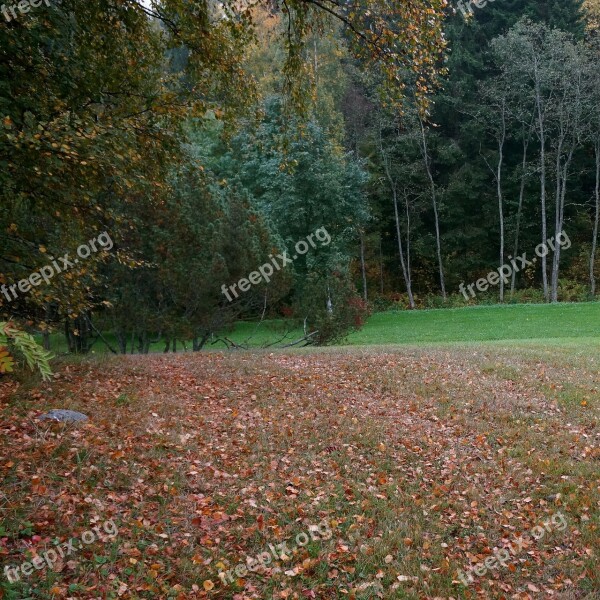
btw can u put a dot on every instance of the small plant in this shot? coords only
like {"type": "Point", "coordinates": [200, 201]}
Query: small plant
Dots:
{"type": "Point", "coordinates": [123, 400]}
{"type": "Point", "coordinates": [14, 340]}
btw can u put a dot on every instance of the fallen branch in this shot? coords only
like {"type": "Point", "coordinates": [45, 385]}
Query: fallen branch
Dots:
{"type": "Point", "coordinates": [264, 346]}
{"type": "Point", "coordinates": [230, 344]}
{"type": "Point", "coordinates": [306, 339]}
{"type": "Point", "coordinates": [99, 335]}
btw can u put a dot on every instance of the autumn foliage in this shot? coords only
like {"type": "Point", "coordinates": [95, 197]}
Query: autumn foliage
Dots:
{"type": "Point", "coordinates": [421, 461]}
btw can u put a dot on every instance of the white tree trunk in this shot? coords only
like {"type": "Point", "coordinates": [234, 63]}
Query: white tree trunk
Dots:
{"type": "Point", "coordinates": [393, 186]}
{"type": "Point", "coordinates": [501, 141]}
{"type": "Point", "coordinates": [542, 136]}
{"type": "Point", "coordinates": [427, 161]}
{"type": "Point", "coordinates": [526, 141]}
{"type": "Point", "coordinates": [363, 266]}
{"type": "Point", "coordinates": [596, 222]}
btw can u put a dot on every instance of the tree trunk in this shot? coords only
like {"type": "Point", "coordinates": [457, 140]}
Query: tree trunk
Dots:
{"type": "Point", "coordinates": [46, 333]}
{"type": "Point", "coordinates": [405, 273]}
{"type": "Point", "coordinates": [68, 335]}
{"type": "Point", "coordinates": [520, 209]}
{"type": "Point", "coordinates": [78, 343]}
{"type": "Point", "coordinates": [407, 236]}
{"type": "Point", "coordinates": [381, 264]}
{"type": "Point", "coordinates": [554, 275]}
{"type": "Point", "coordinates": [542, 134]}
{"type": "Point", "coordinates": [596, 220]}
{"type": "Point", "coordinates": [501, 141]}
{"type": "Point", "coordinates": [363, 267]}
{"type": "Point", "coordinates": [122, 341]}
{"type": "Point", "coordinates": [198, 344]}
{"type": "Point", "coordinates": [427, 161]}
{"type": "Point", "coordinates": [559, 221]}
{"type": "Point", "coordinates": [143, 343]}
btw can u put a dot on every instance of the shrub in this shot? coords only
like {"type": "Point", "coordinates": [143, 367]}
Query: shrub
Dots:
{"type": "Point", "coordinates": [347, 312]}
{"type": "Point", "coordinates": [572, 291]}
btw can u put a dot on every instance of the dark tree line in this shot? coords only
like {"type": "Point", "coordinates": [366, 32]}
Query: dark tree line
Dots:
{"type": "Point", "coordinates": [206, 140]}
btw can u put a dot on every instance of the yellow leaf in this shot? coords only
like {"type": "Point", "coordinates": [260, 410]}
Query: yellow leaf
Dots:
{"type": "Point", "coordinates": [6, 361]}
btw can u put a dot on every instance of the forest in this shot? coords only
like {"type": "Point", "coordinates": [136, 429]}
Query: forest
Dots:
{"type": "Point", "coordinates": [432, 142]}
{"type": "Point", "coordinates": [299, 299]}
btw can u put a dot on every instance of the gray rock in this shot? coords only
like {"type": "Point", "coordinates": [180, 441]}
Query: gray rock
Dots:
{"type": "Point", "coordinates": [64, 416]}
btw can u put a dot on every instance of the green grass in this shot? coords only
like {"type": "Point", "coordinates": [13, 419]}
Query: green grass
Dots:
{"type": "Point", "coordinates": [527, 322]}
{"type": "Point", "coordinates": [482, 323]}
{"type": "Point", "coordinates": [253, 334]}
{"type": "Point", "coordinates": [267, 332]}
{"type": "Point", "coordinates": [523, 322]}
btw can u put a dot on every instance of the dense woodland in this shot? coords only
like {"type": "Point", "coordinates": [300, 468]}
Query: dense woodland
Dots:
{"type": "Point", "coordinates": [203, 137]}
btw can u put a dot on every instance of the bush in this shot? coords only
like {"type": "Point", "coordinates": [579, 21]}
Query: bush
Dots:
{"type": "Point", "coordinates": [572, 291]}
{"type": "Point", "coordinates": [347, 312]}
{"type": "Point", "coordinates": [383, 304]}
{"type": "Point", "coordinates": [528, 296]}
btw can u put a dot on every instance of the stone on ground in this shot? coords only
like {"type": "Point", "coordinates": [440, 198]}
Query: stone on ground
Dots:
{"type": "Point", "coordinates": [64, 416]}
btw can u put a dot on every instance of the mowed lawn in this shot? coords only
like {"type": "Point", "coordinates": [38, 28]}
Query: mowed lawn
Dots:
{"type": "Point", "coordinates": [482, 323]}
{"type": "Point", "coordinates": [350, 472]}
{"type": "Point", "coordinates": [469, 324]}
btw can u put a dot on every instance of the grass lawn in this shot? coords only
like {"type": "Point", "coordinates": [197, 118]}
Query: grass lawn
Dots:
{"type": "Point", "coordinates": [354, 473]}
{"type": "Point", "coordinates": [471, 324]}
{"type": "Point", "coordinates": [480, 323]}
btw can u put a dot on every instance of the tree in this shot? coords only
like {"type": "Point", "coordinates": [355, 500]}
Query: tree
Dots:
{"type": "Point", "coordinates": [392, 179]}
{"type": "Point", "coordinates": [424, 146]}
{"type": "Point", "coordinates": [593, 114]}
{"type": "Point", "coordinates": [119, 81]}
{"type": "Point", "coordinates": [493, 113]}
{"type": "Point", "coordinates": [533, 57]}
{"type": "Point", "coordinates": [571, 87]}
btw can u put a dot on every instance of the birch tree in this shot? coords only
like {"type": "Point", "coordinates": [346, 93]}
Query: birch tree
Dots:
{"type": "Point", "coordinates": [494, 115]}
{"type": "Point", "coordinates": [387, 163]}
{"type": "Point", "coordinates": [528, 55]}
{"type": "Point", "coordinates": [568, 73]}
{"type": "Point", "coordinates": [593, 103]}
{"type": "Point", "coordinates": [423, 145]}
{"type": "Point", "coordinates": [526, 134]}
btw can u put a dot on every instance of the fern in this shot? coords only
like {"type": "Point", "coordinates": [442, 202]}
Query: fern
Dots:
{"type": "Point", "coordinates": [35, 356]}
